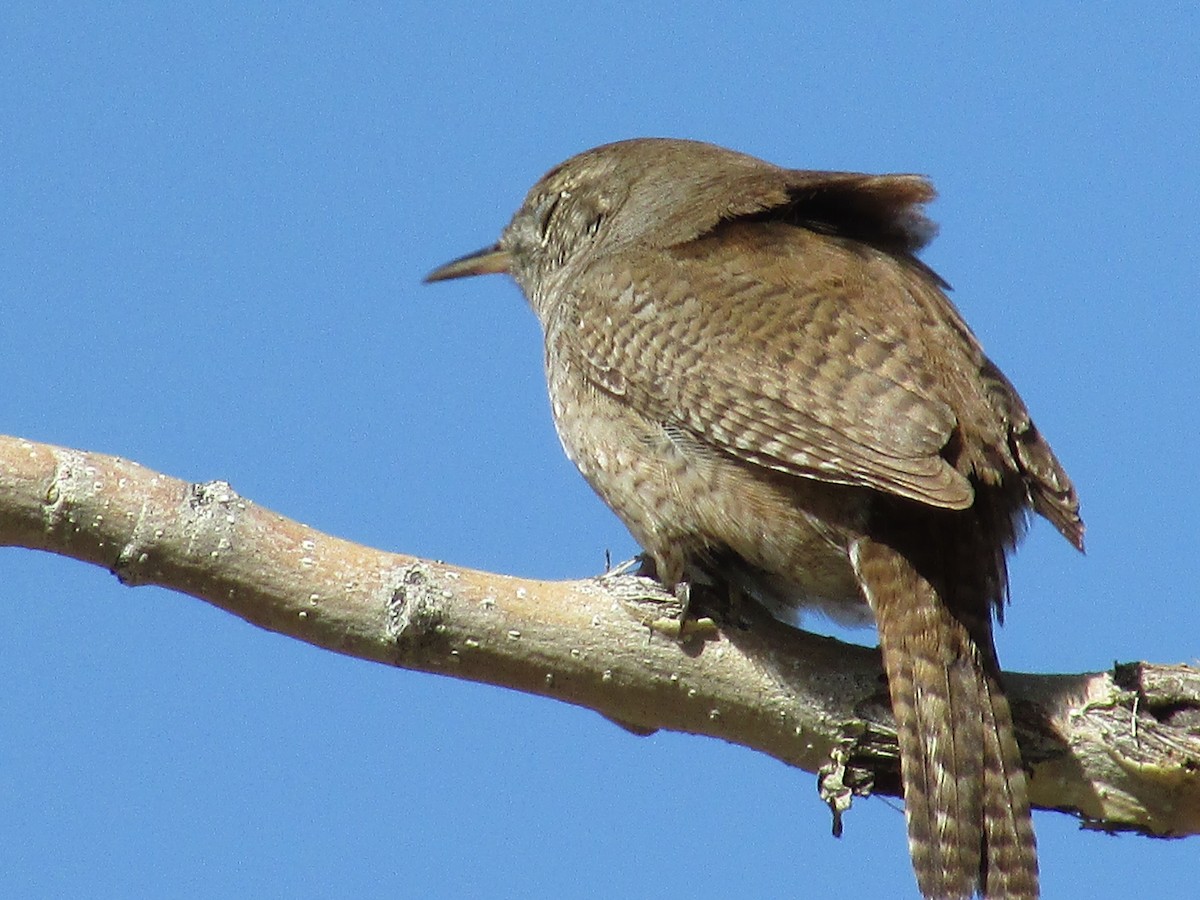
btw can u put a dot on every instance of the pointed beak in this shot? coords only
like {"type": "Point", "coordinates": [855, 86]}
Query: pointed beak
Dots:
{"type": "Point", "coordinates": [488, 261]}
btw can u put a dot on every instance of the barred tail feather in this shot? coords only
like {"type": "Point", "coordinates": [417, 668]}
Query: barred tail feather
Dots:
{"type": "Point", "coordinates": [1012, 848]}
{"type": "Point", "coordinates": [965, 799]}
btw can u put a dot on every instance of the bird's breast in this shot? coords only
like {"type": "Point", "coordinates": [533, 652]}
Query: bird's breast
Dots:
{"type": "Point", "coordinates": [701, 513]}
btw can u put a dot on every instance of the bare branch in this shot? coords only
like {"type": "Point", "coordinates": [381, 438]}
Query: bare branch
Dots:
{"type": "Point", "coordinates": [1120, 749]}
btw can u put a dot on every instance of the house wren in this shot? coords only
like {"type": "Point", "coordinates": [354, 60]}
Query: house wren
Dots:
{"type": "Point", "coordinates": [752, 368]}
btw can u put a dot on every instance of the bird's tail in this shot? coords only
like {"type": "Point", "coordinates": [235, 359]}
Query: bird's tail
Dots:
{"type": "Point", "coordinates": [965, 797]}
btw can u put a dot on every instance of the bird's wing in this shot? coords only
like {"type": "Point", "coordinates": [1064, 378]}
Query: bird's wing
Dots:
{"type": "Point", "coordinates": [793, 350]}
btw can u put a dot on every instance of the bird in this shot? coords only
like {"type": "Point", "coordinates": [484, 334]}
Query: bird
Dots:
{"type": "Point", "coordinates": [754, 370]}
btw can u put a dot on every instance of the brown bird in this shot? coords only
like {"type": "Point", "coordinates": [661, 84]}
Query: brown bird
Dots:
{"type": "Point", "coordinates": [752, 368]}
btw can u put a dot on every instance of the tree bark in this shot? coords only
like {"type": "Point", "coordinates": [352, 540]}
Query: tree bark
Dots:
{"type": "Point", "coordinates": [1119, 749]}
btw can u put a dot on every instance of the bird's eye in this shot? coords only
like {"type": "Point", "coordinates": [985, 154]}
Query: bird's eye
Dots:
{"type": "Point", "coordinates": [548, 216]}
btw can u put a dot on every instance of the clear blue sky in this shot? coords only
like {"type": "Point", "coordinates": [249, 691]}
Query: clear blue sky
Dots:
{"type": "Point", "coordinates": [214, 222]}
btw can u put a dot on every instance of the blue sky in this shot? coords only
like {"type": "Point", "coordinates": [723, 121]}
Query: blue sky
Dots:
{"type": "Point", "coordinates": [214, 225]}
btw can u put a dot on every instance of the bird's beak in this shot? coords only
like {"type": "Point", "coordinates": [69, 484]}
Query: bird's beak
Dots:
{"type": "Point", "coordinates": [488, 261]}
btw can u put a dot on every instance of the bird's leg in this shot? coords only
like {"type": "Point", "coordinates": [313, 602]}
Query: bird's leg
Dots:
{"type": "Point", "coordinates": [698, 612]}
{"type": "Point", "coordinates": [645, 566]}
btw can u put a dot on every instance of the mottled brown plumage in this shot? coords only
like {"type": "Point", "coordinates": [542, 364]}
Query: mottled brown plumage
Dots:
{"type": "Point", "coordinates": [752, 368]}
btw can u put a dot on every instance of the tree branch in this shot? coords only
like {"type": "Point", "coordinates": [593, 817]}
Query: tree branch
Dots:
{"type": "Point", "coordinates": [1119, 749]}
